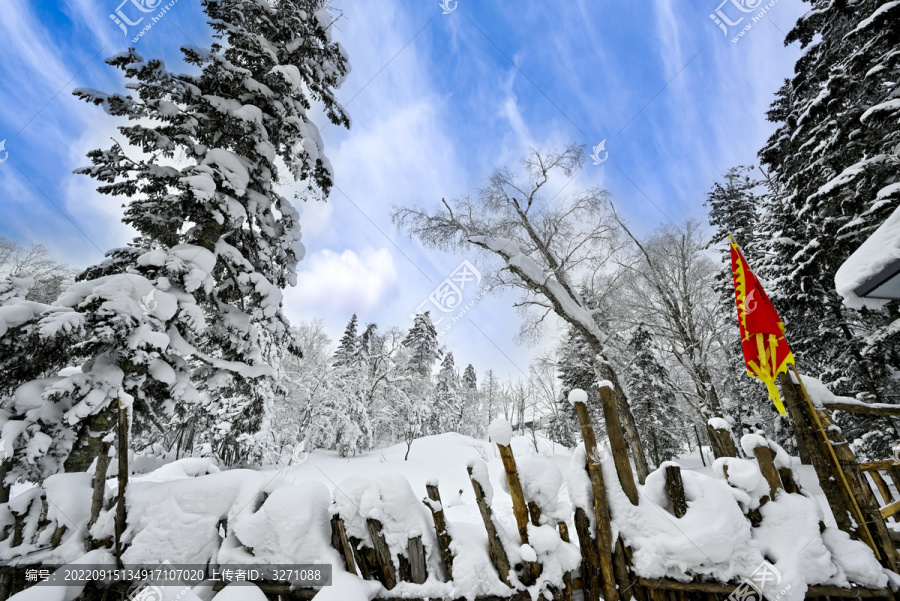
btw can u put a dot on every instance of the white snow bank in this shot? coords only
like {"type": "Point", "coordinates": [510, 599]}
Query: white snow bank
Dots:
{"type": "Point", "coordinates": [712, 539]}
{"type": "Point", "coordinates": [880, 249]}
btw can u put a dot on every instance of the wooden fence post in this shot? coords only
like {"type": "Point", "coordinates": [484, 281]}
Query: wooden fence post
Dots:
{"type": "Point", "coordinates": [341, 544]}
{"type": "Point", "coordinates": [766, 459]}
{"type": "Point", "coordinates": [675, 490]}
{"type": "Point", "coordinates": [382, 553]}
{"type": "Point", "coordinates": [617, 443]}
{"type": "Point", "coordinates": [530, 570]}
{"type": "Point", "coordinates": [122, 477]}
{"type": "Point", "coordinates": [495, 547]}
{"type": "Point", "coordinates": [440, 527]}
{"type": "Point", "coordinates": [568, 587]}
{"type": "Point", "coordinates": [418, 571]}
{"type": "Point", "coordinates": [520, 507]}
{"type": "Point", "coordinates": [721, 442]}
{"type": "Point", "coordinates": [590, 557]}
{"type": "Point", "coordinates": [601, 502]}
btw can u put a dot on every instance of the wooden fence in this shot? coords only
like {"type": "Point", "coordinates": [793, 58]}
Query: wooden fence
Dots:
{"type": "Point", "coordinates": [606, 569]}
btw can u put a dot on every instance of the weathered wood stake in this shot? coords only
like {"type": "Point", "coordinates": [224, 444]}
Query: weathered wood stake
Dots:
{"type": "Point", "coordinates": [805, 429]}
{"type": "Point", "coordinates": [601, 505]}
{"type": "Point", "coordinates": [440, 528]}
{"type": "Point", "coordinates": [341, 544]}
{"type": "Point", "coordinates": [787, 478]}
{"type": "Point", "coordinates": [530, 570]}
{"type": "Point", "coordinates": [590, 557]}
{"type": "Point", "coordinates": [617, 444]}
{"type": "Point", "coordinates": [495, 547]}
{"type": "Point", "coordinates": [382, 553]}
{"type": "Point", "coordinates": [675, 490]}
{"type": "Point", "coordinates": [417, 570]}
{"type": "Point", "coordinates": [122, 477]}
{"type": "Point", "coordinates": [721, 442]}
{"type": "Point", "coordinates": [766, 459]}
{"type": "Point", "coordinates": [568, 591]}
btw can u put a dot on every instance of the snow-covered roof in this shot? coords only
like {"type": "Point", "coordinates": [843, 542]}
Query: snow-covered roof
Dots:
{"type": "Point", "coordinates": [871, 275]}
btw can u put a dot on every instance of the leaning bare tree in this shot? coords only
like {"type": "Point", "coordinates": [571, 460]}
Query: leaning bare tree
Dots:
{"type": "Point", "coordinates": [546, 249]}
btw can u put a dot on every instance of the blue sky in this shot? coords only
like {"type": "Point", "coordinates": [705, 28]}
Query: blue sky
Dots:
{"type": "Point", "coordinates": [438, 101]}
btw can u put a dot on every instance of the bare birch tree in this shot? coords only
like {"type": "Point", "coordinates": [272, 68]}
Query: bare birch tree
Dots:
{"type": "Point", "coordinates": [544, 248]}
{"type": "Point", "coordinates": [673, 291]}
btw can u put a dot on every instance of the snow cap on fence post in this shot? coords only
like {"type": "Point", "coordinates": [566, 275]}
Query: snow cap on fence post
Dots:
{"type": "Point", "coordinates": [577, 395]}
{"type": "Point", "coordinates": [500, 432]}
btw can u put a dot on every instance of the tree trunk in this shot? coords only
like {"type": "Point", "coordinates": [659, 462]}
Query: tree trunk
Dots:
{"type": "Point", "coordinates": [88, 444]}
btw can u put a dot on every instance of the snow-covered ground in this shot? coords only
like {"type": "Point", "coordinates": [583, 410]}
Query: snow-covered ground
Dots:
{"type": "Point", "coordinates": [282, 516]}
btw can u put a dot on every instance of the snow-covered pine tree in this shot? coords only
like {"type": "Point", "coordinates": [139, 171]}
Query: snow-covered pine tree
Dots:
{"type": "Point", "coordinates": [187, 318]}
{"type": "Point", "coordinates": [468, 418]}
{"type": "Point", "coordinates": [348, 350]}
{"type": "Point", "coordinates": [734, 205]}
{"type": "Point", "coordinates": [830, 160]}
{"type": "Point", "coordinates": [653, 400]}
{"type": "Point", "coordinates": [422, 342]}
{"type": "Point", "coordinates": [348, 402]}
{"type": "Point", "coordinates": [447, 401]}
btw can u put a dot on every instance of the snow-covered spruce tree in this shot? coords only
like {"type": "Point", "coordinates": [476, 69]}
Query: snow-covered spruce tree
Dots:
{"type": "Point", "coordinates": [831, 160]}
{"type": "Point", "coordinates": [447, 401]}
{"type": "Point", "coordinates": [424, 349]}
{"type": "Point", "coordinates": [188, 318]}
{"type": "Point", "coordinates": [348, 350]}
{"type": "Point", "coordinates": [653, 398]}
{"type": "Point", "coordinates": [468, 417]}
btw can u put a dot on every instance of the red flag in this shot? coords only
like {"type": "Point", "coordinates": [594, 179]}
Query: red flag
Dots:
{"type": "Point", "coordinates": [766, 352]}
